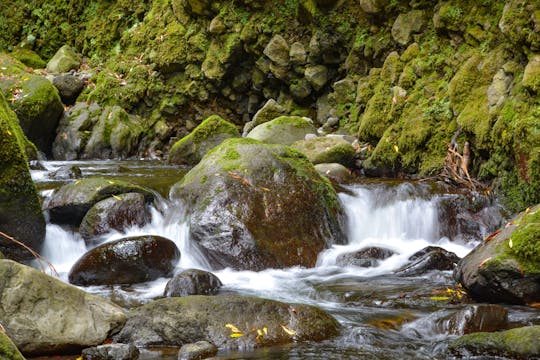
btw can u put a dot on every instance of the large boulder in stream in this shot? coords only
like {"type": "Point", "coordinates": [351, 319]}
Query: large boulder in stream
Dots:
{"type": "Point", "coordinates": [44, 315]}
{"type": "Point", "coordinates": [283, 130]}
{"type": "Point", "coordinates": [519, 343]}
{"type": "Point", "coordinates": [20, 211]}
{"type": "Point", "coordinates": [226, 321]}
{"type": "Point", "coordinates": [70, 203]}
{"type": "Point", "coordinates": [427, 259]}
{"type": "Point", "coordinates": [254, 206]}
{"type": "Point", "coordinates": [126, 261]}
{"type": "Point", "coordinates": [193, 282]}
{"type": "Point", "coordinates": [211, 132]}
{"type": "Point", "coordinates": [506, 266]}
{"type": "Point", "coordinates": [115, 213]}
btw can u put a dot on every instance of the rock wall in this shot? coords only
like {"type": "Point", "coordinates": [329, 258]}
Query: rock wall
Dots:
{"type": "Point", "coordinates": [403, 76]}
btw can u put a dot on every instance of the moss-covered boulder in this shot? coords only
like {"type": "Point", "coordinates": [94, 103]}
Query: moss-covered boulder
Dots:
{"type": "Point", "coordinates": [337, 173]}
{"type": "Point", "coordinates": [328, 149]}
{"type": "Point", "coordinates": [519, 343]}
{"type": "Point", "coordinates": [44, 315]}
{"type": "Point", "coordinates": [283, 130]}
{"type": "Point", "coordinates": [115, 213]}
{"type": "Point", "coordinates": [211, 132]}
{"type": "Point", "coordinates": [270, 110]}
{"type": "Point", "coordinates": [126, 261]}
{"type": "Point", "coordinates": [28, 58]}
{"type": "Point", "coordinates": [89, 131]}
{"type": "Point", "coordinates": [506, 267]}
{"type": "Point", "coordinates": [229, 322]}
{"type": "Point", "coordinates": [65, 59]}
{"type": "Point", "coordinates": [255, 206]}
{"type": "Point", "coordinates": [406, 25]}
{"type": "Point", "coordinates": [8, 350]}
{"type": "Point", "coordinates": [34, 99]}
{"type": "Point", "coordinates": [70, 203]}
{"type": "Point", "coordinates": [20, 210]}
{"type": "Point", "coordinates": [531, 75]}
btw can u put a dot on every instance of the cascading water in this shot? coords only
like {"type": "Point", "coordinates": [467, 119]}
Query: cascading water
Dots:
{"type": "Point", "coordinates": [403, 217]}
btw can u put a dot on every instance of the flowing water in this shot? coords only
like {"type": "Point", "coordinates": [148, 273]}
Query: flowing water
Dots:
{"type": "Point", "coordinates": [384, 316]}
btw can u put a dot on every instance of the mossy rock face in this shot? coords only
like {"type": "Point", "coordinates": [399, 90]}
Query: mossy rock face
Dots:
{"type": "Point", "coordinates": [71, 202]}
{"type": "Point", "coordinates": [179, 321]}
{"type": "Point", "coordinates": [283, 130]}
{"type": "Point", "coordinates": [506, 267]}
{"type": "Point", "coordinates": [300, 213]}
{"type": "Point", "coordinates": [210, 133]}
{"type": "Point", "coordinates": [126, 261]}
{"type": "Point", "coordinates": [64, 60]}
{"type": "Point", "coordinates": [46, 316]}
{"type": "Point", "coordinates": [518, 22]}
{"type": "Point", "coordinates": [20, 210]}
{"type": "Point", "coordinates": [531, 76]}
{"type": "Point", "coordinates": [328, 149]}
{"type": "Point", "coordinates": [34, 99]}
{"type": "Point", "coordinates": [519, 343]}
{"type": "Point", "coordinates": [8, 350]}
{"type": "Point", "coordinates": [28, 58]}
{"type": "Point", "coordinates": [89, 131]}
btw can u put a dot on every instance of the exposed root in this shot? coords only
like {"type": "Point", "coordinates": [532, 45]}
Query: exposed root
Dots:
{"type": "Point", "coordinates": [40, 259]}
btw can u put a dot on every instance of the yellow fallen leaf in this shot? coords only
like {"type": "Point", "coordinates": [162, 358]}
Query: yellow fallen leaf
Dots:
{"type": "Point", "coordinates": [236, 335]}
{"type": "Point", "coordinates": [110, 182]}
{"type": "Point", "coordinates": [117, 197]}
{"type": "Point", "coordinates": [264, 188]}
{"type": "Point", "coordinates": [396, 149]}
{"type": "Point", "coordinates": [260, 332]}
{"type": "Point", "coordinates": [9, 133]}
{"type": "Point", "coordinates": [265, 330]}
{"type": "Point", "coordinates": [288, 331]}
{"type": "Point", "coordinates": [232, 327]}
{"type": "Point", "coordinates": [510, 243]}
{"type": "Point", "coordinates": [439, 298]}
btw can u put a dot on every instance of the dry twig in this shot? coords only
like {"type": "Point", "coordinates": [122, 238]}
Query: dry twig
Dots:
{"type": "Point", "coordinates": [38, 257]}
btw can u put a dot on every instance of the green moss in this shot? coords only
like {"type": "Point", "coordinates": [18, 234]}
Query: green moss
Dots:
{"type": "Point", "coordinates": [8, 350]}
{"type": "Point", "coordinates": [29, 58]}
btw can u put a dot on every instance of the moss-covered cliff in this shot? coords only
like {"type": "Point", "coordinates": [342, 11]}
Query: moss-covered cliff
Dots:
{"type": "Point", "coordinates": [404, 76]}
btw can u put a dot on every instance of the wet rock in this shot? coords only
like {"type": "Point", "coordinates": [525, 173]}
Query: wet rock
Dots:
{"type": "Point", "coordinates": [531, 76]}
{"type": "Point", "coordinates": [47, 316]}
{"type": "Point", "coordinates": [519, 343]}
{"type": "Point", "coordinates": [35, 101]}
{"type": "Point", "coordinates": [196, 351]}
{"type": "Point", "coordinates": [283, 130]}
{"type": "Point", "coordinates": [185, 320]}
{"type": "Point", "coordinates": [224, 193]}
{"type": "Point", "coordinates": [8, 350]}
{"type": "Point", "coordinates": [65, 59]}
{"type": "Point", "coordinates": [69, 87]}
{"type": "Point", "coordinates": [115, 213]}
{"type": "Point", "coordinates": [367, 257]}
{"type": "Point", "coordinates": [66, 172]}
{"type": "Point", "coordinates": [406, 25]}
{"type": "Point", "coordinates": [88, 131]}
{"type": "Point", "coordinates": [317, 76]}
{"type": "Point", "coordinates": [427, 259]}
{"type": "Point", "coordinates": [337, 173]}
{"type": "Point", "coordinates": [111, 352]}
{"type": "Point", "coordinates": [329, 149]}
{"type": "Point", "coordinates": [505, 267]}
{"type": "Point", "coordinates": [211, 132]}
{"type": "Point", "coordinates": [20, 210]}
{"type": "Point", "coordinates": [126, 261]}
{"type": "Point", "coordinates": [192, 282]}
{"type": "Point", "coordinates": [277, 50]}
{"type": "Point", "coordinates": [71, 202]}
{"type": "Point", "coordinates": [36, 165]}
{"type": "Point", "coordinates": [269, 111]}
{"type": "Point", "coordinates": [476, 318]}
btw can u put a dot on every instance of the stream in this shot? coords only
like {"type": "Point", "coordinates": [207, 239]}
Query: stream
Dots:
{"type": "Point", "coordinates": [384, 315]}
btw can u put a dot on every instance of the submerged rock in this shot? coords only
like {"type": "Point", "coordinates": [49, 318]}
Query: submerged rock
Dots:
{"type": "Point", "coordinates": [519, 343]}
{"type": "Point", "coordinates": [126, 261]}
{"type": "Point", "coordinates": [476, 318]}
{"type": "Point", "coordinates": [111, 352]}
{"type": "Point", "coordinates": [283, 130]}
{"type": "Point", "coordinates": [256, 322]}
{"type": "Point", "coordinates": [210, 133]}
{"type": "Point", "coordinates": [366, 257]}
{"type": "Point", "coordinates": [272, 209]}
{"type": "Point", "coordinates": [192, 282]}
{"type": "Point", "coordinates": [196, 351]}
{"type": "Point", "coordinates": [70, 203]}
{"type": "Point", "coordinates": [115, 213]}
{"type": "Point", "coordinates": [506, 266]}
{"type": "Point", "coordinates": [20, 210]}
{"type": "Point", "coordinates": [47, 316]}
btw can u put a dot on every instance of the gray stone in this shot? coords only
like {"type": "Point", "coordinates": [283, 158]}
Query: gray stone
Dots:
{"type": "Point", "coordinates": [192, 282]}
{"type": "Point", "coordinates": [498, 90]}
{"type": "Point", "coordinates": [298, 53]}
{"type": "Point", "coordinates": [197, 351]}
{"type": "Point", "coordinates": [111, 352]}
{"type": "Point", "coordinates": [269, 111]}
{"type": "Point", "coordinates": [344, 91]}
{"type": "Point", "coordinates": [327, 150]}
{"type": "Point", "coordinates": [66, 172]}
{"type": "Point", "coordinates": [45, 315]}
{"type": "Point", "coordinates": [277, 50]}
{"type": "Point", "coordinates": [217, 26]}
{"type": "Point", "coordinates": [317, 76]}
{"type": "Point", "coordinates": [373, 6]}
{"type": "Point", "coordinates": [531, 76]}
{"type": "Point", "coordinates": [65, 59]}
{"type": "Point", "coordinates": [406, 25]}
{"type": "Point", "coordinates": [335, 172]}
{"type": "Point", "coordinates": [300, 89]}
{"type": "Point", "coordinates": [69, 87]}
